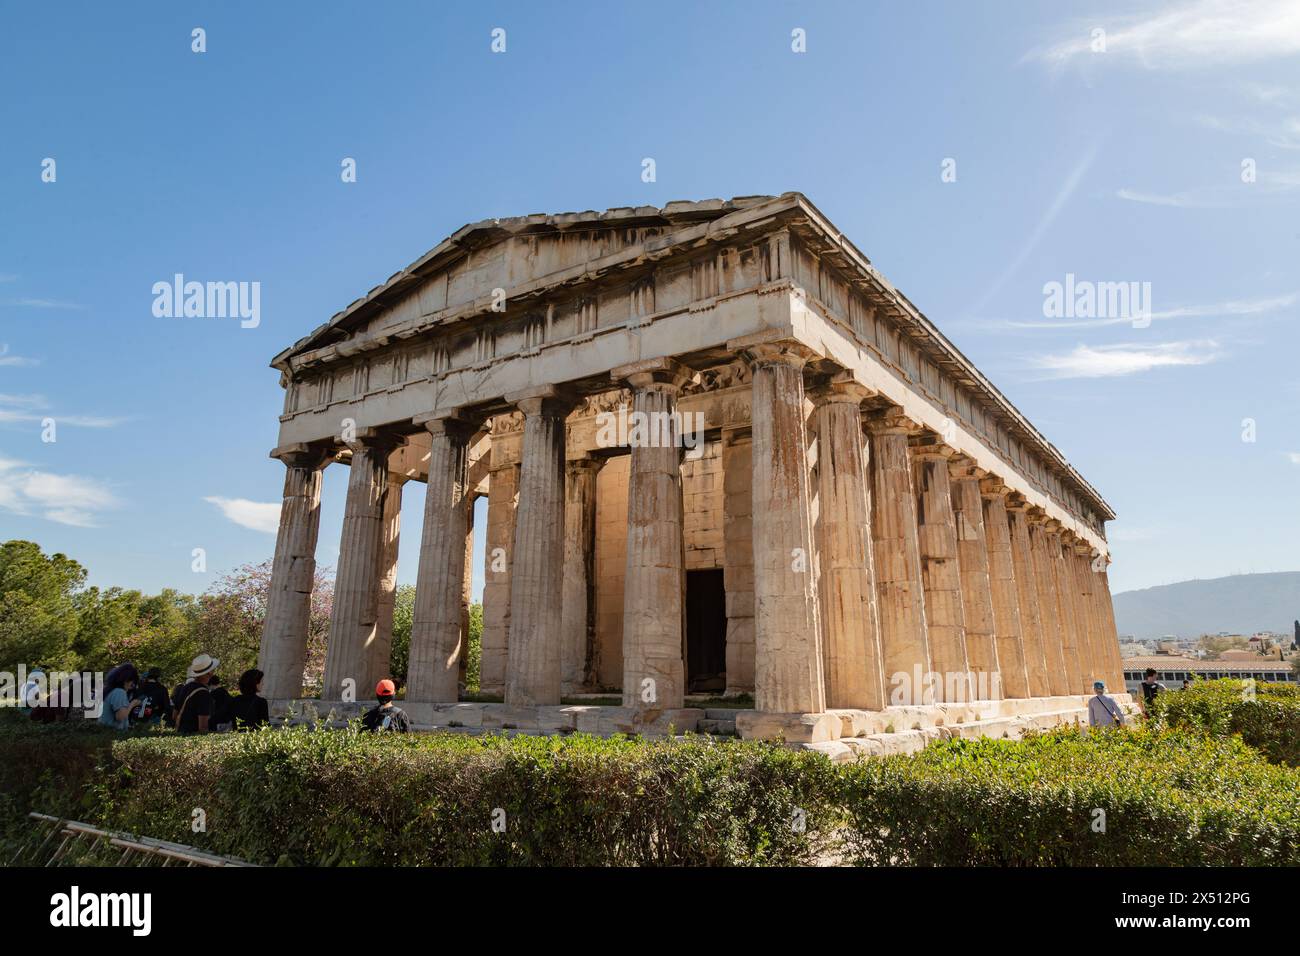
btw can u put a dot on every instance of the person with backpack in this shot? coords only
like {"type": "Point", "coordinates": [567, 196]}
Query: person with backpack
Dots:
{"type": "Point", "coordinates": [387, 716]}
{"type": "Point", "coordinates": [154, 705]}
{"type": "Point", "coordinates": [250, 709]}
{"type": "Point", "coordinates": [193, 703]}
{"type": "Point", "coordinates": [1103, 711]}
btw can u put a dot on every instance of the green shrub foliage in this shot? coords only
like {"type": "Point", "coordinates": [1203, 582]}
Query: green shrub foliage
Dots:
{"type": "Point", "coordinates": [1265, 716]}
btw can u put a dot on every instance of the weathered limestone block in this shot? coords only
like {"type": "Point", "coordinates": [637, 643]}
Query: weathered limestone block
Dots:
{"type": "Point", "coordinates": [903, 638]}
{"type": "Point", "coordinates": [436, 622]}
{"type": "Point", "coordinates": [350, 653]}
{"type": "Point", "coordinates": [1002, 586]}
{"type": "Point", "coordinates": [579, 609]}
{"type": "Point", "coordinates": [940, 574]}
{"type": "Point", "coordinates": [283, 651]}
{"type": "Point", "coordinates": [976, 588]}
{"type": "Point", "coordinates": [1031, 621]}
{"type": "Point", "coordinates": [1058, 680]}
{"type": "Point", "coordinates": [533, 654]}
{"type": "Point", "coordinates": [793, 728]}
{"type": "Point", "coordinates": [854, 675]}
{"type": "Point", "coordinates": [503, 494]}
{"type": "Point", "coordinates": [654, 674]}
{"type": "Point", "coordinates": [738, 559]}
{"type": "Point", "coordinates": [788, 670]}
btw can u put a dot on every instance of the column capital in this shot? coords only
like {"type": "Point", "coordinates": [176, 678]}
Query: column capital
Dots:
{"type": "Point", "coordinates": [381, 440]}
{"type": "Point", "coordinates": [545, 400]}
{"type": "Point", "coordinates": [1016, 502]}
{"type": "Point", "coordinates": [304, 455]}
{"type": "Point", "coordinates": [839, 388]}
{"type": "Point", "coordinates": [963, 466]}
{"type": "Point", "coordinates": [665, 373]}
{"type": "Point", "coordinates": [452, 426]}
{"type": "Point", "coordinates": [891, 421]}
{"type": "Point", "coordinates": [923, 446]}
{"type": "Point", "coordinates": [773, 347]}
{"type": "Point", "coordinates": [992, 486]}
{"type": "Point", "coordinates": [585, 462]}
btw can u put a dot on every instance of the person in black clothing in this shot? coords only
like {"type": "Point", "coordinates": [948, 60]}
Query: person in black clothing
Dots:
{"type": "Point", "coordinates": [157, 706]}
{"type": "Point", "coordinates": [193, 701]}
{"type": "Point", "coordinates": [1150, 688]}
{"type": "Point", "coordinates": [223, 714]}
{"type": "Point", "coordinates": [387, 716]}
{"type": "Point", "coordinates": [249, 708]}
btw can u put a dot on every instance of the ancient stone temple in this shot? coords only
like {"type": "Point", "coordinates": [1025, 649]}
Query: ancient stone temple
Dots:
{"type": "Point", "coordinates": [722, 455]}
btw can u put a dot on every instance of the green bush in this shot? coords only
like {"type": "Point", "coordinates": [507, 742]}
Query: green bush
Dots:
{"type": "Point", "coordinates": [343, 798]}
{"type": "Point", "coordinates": [1268, 719]}
{"type": "Point", "coordinates": [1168, 798]}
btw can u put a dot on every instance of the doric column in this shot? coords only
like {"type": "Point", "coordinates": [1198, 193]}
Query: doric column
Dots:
{"type": "Point", "coordinates": [1049, 611]}
{"type": "Point", "coordinates": [579, 612]}
{"type": "Point", "coordinates": [976, 588]}
{"type": "Point", "coordinates": [533, 654]}
{"type": "Point", "coordinates": [440, 580]}
{"type": "Point", "coordinates": [1111, 656]}
{"type": "Point", "coordinates": [851, 630]}
{"type": "Point", "coordinates": [1083, 584]}
{"type": "Point", "coordinates": [382, 649]}
{"type": "Point", "coordinates": [1031, 622]}
{"type": "Point", "coordinates": [1002, 585]}
{"type": "Point", "coordinates": [788, 670]}
{"type": "Point", "coordinates": [467, 595]}
{"type": "Point", "coordinates": [1067, 601]}
{"type": "Point", "coordinates": [738, 557]}
{"type": "Point", "coordinates": [904, 642]}
{"type": "Point", "coordinates": [351, 649]}
{"type": "Point", "coordinates": [940, 575]}
{"type": "Point", "coordinates": [654, 674]}
{"type": "Point", "coordinates": [499, 543]}
{"type": "Point", "coordinates": [283, 652]}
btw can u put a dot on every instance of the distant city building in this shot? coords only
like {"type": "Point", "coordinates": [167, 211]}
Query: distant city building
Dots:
{"type": "Point", "coordinates": [1172, 671]}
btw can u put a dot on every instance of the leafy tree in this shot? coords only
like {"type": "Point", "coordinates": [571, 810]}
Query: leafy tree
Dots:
{"type": "Point", "coordinates": [38, 609]}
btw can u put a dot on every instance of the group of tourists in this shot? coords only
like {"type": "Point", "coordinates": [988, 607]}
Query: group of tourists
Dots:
{"type": "Point", "coordinates": [201, 705]}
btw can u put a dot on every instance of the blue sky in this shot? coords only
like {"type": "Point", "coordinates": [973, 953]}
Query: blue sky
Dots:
{"type": "Point", "coordinates": [1122, 165]}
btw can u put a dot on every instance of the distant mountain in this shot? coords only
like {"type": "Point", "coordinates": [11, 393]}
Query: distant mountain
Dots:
{"type": "Point", "coordinates": [1239, 604]}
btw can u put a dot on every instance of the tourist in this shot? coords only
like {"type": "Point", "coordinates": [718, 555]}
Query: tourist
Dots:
{"type": "Point", "coordinates": [1103, 711]}
{"type": "Point", "coordinates": [118, 684]}
{"type": "Point", "coordinates": [249, 709]}
{"type": "Point", "coordinates": [387, 716]}
{"type": "Point", "coordinates": [223, 714]}
{"type": "Point", "coordinates": [1150, 688]}
{"type": "Point", "coordinates": [154, 705]}
{"type": "Point", "coordinates": [192, 703]}
{"type": "Point", "coordinates": [30, 695]}
{"type": "Point", "coordinates": [1187, 683]}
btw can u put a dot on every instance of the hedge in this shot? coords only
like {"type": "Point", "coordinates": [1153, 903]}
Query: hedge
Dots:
{"type": "Point", "coordinates": [345, 798]}
{"type": "Point", "coordinates": [1267, 719]}
{"type": "Point", "coordinates": [1110, 798]}
{"type": "Point", "coordinates": [306, 797]}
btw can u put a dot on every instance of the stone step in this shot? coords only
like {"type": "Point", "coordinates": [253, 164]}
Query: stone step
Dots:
{"type": "Point", "coordinates": [724, 728]}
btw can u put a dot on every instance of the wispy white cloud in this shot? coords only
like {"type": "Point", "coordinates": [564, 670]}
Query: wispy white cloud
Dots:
{"type": "Point", "coordinates": [1183, 200]}
{"type": "Point", "coordinates": [33, 408]}
{"type": "Point", "coordinates": [1110, 361]}
{"type": "Point", "coordinates": [8, 277]}
{"type": "Point", "coordinates": [66, 499]}
{"type": "Point", "coordinates": [46, 304]}
{"type": "Point", "coordinates": [1293, 457]}
{"type": "Point", "coordinates": [14, 360]}
{"type": "Point", "coordinates": [257, 515]}
{"type": "Point", "coordinates": [1204, 33]}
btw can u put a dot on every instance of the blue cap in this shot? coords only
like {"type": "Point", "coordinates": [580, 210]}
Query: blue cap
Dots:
{"type": "Point", "coordinates": [1099, 685]}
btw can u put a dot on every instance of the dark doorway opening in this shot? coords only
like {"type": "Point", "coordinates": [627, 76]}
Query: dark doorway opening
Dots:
{"type": "Point", "coordinates": [706, 632]}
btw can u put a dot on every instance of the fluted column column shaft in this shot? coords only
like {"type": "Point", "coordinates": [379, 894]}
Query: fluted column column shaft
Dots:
{"type": "Point", "coordinates": [440, 579]}
{"type": "Point", "coordinates": [1110, 636]}
{"type": "Point", "coordinates": [283, 652]}
{"type": "Point", "coordinates": [1031, 622]}
{"type": "Point", "coordinates": [854, 673]}
{"type": "Point", "coordinates": [381, 650]}
{"type": "Point", "coordinates": [654, 673]}
{"type": "Point", "coordinates": [579, 606]}
{"type": "Point", "coordinates": [1083, 583]}
{"type": "Point", "coordinates": [533, 654]}
{"type": "Point", "coordinates": [1058, 682]}
{"type": "Point", "coordinates": [904, 639]}
{"type": "Point", "coordinates": [940, 574]}
{"type": "Point", "coordinates": [356, 583]}
{"type": "Point", "coordinates": [1005, 594]}
{"type": "Point", "coordinates": [788, 669]}
{"type": "Point", "coordinates": [499, 544]}
{"type": "Point", "coordinates": [1067, 600]}
{"type": "Point", "coordinates": [976, 589]}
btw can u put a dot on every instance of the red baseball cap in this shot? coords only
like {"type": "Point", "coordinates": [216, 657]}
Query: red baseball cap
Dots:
{"type": "Point", "coordinates": [385, 688]}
